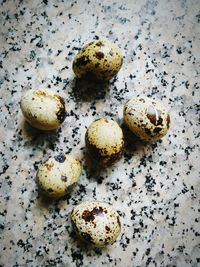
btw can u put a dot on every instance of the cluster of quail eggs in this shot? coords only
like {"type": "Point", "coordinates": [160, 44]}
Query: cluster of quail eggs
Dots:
{"type": "Point", "coordinates": [95, 222]}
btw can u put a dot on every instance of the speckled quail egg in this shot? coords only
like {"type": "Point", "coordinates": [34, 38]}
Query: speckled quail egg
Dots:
{"type": "Point", "coordinates": [43, 109]}
{"type": "Point", "coordinates": [146, 118]}
{"type": "Point", "coordinates": [104, 140]}
{"type": "Point", "coordinates": [100, 59]}
{"type": "Point", "coordinates": [96, 223]}
{"type": "Point", "coordinates": [58, 175]}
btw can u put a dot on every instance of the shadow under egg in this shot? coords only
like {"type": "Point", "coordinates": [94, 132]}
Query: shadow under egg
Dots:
{"type": "Point", "coordinates": [39, 137]}
{"type": "Point", "coordinates": [43, 200]}
{"type": "Point", "coordinates": [84, 243]}
{"type": "Point", "coordinates": [93, 169]}
{"type": "Point", "coordinates": [29, 131]}
{"type": "Point", "coordinates": [132, 142]}
{"type": "Point", "coordinates": [89, 89]}
{"type": "Point", "coordinates": [46, 200]}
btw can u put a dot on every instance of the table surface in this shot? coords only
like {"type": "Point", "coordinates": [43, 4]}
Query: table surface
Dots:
{"type": "Point", "coordinates": [155, 187]}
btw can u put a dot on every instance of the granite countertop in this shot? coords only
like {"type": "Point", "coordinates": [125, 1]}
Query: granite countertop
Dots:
{"type": "Point", "coordinates": [155, 187]}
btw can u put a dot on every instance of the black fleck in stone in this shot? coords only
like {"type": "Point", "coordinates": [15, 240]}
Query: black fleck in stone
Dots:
{"type": "Point", "coordinates": [36, 165]}
{"type": "Point", "coordinates": [77, 258]}
{"type": "Point", "coordinates": [150, 183]}
{"type": "Point", "coordinates": [60, 158]}
{"type": "Point", "coordinates": [5, 167]}
{"type": "Point", "coordinates": [178, 50]}
{"type": "Point", "coordinates": [124, 242]}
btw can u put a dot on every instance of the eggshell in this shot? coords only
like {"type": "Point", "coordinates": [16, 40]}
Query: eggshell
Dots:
{"type": "Point", "coordinates": [101, 59]}
{"type": "Point", "coordinates": [147, 118]}
{"type": "Point", "coordinates": [57, 175]}
{"type": "Point", "coordinates": [96, 222]}
{"type": "Point", "coordinates": [104, 140]}
{"type": "Point", "coordinates": [43, 109]}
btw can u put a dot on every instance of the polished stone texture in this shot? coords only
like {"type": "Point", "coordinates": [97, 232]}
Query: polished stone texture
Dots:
{"type": "Point", "coordinates": [155, 187]}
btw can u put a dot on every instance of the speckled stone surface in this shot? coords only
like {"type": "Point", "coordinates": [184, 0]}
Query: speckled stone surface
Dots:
{"type": "Point", "coordinates": [154, 187]}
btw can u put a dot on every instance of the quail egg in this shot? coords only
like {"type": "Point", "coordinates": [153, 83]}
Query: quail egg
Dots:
{"type": "Point", "coordinates": [100, 59]}
{"type": "Point", "coordinates": [104, 140]}
{"type": "Point", "coordinates": [96, 223]}
{"type": "Point", "coordinates": [146, 118]}
{"type": "Point", "coordinates": [43, 109]}
{"type": "Point", "coordinates": [58, 175]}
